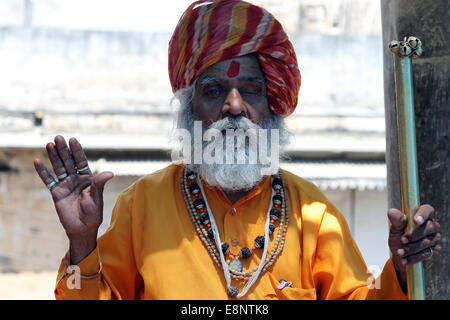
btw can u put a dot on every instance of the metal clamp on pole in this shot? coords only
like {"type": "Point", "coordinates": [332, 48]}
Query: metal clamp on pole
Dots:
{"type": "Point", "coordinates": [403, 52]}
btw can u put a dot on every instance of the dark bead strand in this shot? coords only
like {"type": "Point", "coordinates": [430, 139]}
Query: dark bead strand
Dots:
{"type": "Point", "coordinates": [198, 226]}
{"type": "Point", "coordinates": [279, 242]}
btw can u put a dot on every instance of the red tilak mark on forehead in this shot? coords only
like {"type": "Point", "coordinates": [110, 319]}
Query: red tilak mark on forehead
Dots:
{"type": "Point", "coordinates": [233, 69]}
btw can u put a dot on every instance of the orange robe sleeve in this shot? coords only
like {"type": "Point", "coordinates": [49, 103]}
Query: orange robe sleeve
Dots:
{"type": "Point", "coordinates": [119, 277]}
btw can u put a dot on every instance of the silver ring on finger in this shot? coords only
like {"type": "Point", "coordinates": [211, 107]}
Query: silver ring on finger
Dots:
{"type": "Point", "coordinates": [62, 176]}
{"type": "Point", "coordinates": [51, 185]}
{"type": "Point", "coordinates": [83, 169]}
{"type": "Point", "coordinates": [431, 251]}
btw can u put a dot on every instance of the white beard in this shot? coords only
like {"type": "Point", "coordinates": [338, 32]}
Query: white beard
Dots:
{"type": "Point", "coordinates": [240, 174]}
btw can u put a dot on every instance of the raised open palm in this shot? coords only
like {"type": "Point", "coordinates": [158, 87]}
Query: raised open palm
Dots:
{"type": "Point", "coordinates": [77, 193]}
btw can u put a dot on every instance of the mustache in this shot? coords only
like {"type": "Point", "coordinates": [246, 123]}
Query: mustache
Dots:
{"type": "Point", "coordinates": [234, 123]}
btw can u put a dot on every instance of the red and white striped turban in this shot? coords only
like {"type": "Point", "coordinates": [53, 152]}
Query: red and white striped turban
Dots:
{"type": "Point", "coordinates": [213, 31]}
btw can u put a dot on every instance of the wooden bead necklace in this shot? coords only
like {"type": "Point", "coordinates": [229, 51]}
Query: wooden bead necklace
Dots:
{"type": "Point", "coordinates": [206, 228]}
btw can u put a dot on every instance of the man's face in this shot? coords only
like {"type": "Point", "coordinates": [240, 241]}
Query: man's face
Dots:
{"type": "Point", "coordinates": [229, 88]}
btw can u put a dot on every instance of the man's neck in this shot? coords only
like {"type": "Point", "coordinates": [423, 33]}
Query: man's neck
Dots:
{"type": "Point", "coordinates": [234, 196]}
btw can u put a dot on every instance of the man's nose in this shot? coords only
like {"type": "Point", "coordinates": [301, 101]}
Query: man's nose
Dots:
{"type": "Point", "coordinates": [233, 104]}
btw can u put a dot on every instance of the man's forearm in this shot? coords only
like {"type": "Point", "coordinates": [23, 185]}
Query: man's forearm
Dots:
{"type": "Point", "coordinates": [80, 248]}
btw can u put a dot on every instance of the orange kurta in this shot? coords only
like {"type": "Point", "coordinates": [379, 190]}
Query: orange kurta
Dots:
{"type": "Point", "coordinates": [152, 251]}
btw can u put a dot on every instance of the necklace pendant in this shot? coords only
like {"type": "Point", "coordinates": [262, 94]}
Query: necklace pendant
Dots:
{"type": "Point", "coordinates": [235, 265]}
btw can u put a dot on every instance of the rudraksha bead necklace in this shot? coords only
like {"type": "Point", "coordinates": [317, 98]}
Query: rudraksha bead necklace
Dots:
{"type": "Point", "coordinates": [206, 228]}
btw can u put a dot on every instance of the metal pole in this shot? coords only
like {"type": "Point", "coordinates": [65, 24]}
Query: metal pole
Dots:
{"type": "Point", "coordinates": [403, 52]}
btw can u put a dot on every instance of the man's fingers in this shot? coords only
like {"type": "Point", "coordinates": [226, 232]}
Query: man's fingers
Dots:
{"type": "Point", "coordinates": [98, 184]}
{"type": "Point", "coordinates": [42, 171]}
{"type": "Point", "coordinates": [415, 247]}
{"type": "Point", "coordinates": [55, 160]}
{"type": "Point", "coordinates": [424, 255]}
{"type": "Point", "coordinates": [65, 155]}
{"type": "Point", "coordinates": [426, 229]}
{"type": "Point", "coordinates": [79, 156]}
{"type": "Point", "coordinates": [424, 213]}
{"type": "Point", "coordinates": [398, 221]}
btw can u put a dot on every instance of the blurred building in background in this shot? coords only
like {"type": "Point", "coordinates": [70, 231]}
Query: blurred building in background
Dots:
{"type": "Point", "coordinates": [97, 70]}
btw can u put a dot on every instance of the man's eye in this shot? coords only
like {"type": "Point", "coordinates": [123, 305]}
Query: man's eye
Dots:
{"type": "Point", "coordinates": [212, 92]}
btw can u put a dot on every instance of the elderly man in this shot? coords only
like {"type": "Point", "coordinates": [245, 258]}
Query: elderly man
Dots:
{"type": "Point", "coordinates": [198, 230]}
